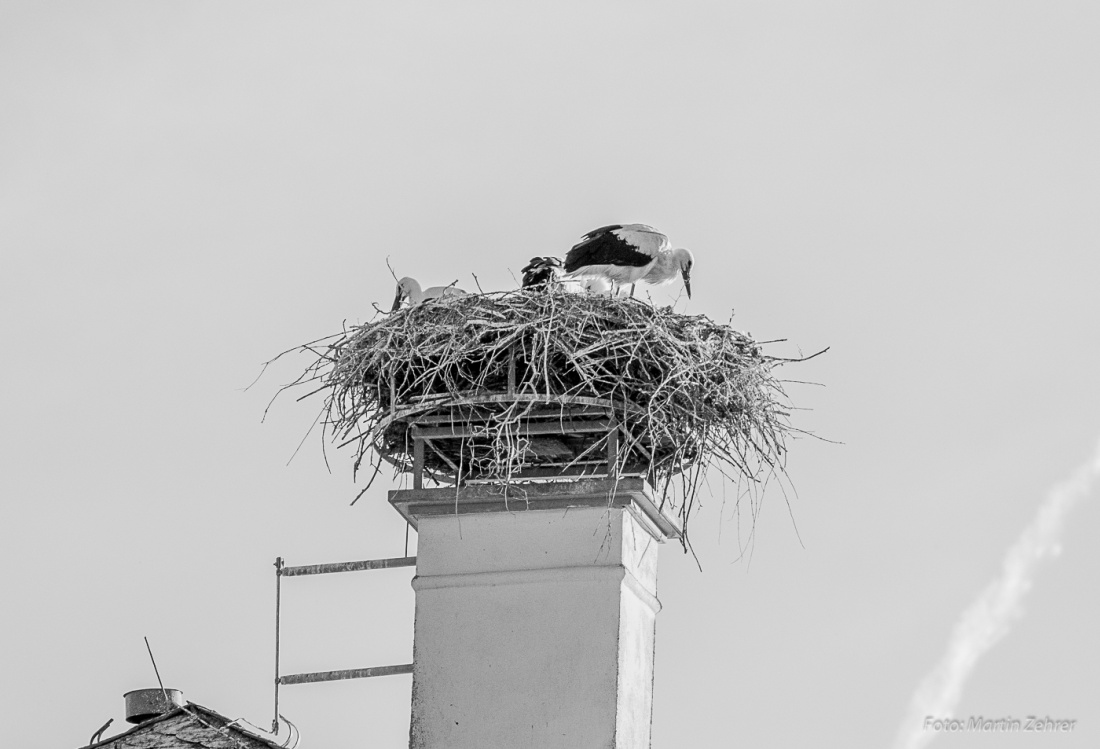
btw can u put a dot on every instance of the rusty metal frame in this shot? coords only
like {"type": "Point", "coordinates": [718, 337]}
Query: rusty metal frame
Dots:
{"type": "Point", "coordinates": [282, 571]}
{"type": "Point", "coordinates": [452, 427]}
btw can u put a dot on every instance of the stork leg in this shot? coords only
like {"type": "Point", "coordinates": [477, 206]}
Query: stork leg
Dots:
{"type": "Point", "coordinates": [632, 289]}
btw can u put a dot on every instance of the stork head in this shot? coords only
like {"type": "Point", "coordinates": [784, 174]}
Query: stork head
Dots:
{"type": "Point", "coordinates": [404, 289]}
{"type": "Point", "coordinates": [684, 260]}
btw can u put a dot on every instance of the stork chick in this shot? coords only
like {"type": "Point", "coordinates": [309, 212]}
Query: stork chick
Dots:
{"type": "Point", "coordinates": [541, 271]}
{"type": "Point", "coordinates": [409, 288]}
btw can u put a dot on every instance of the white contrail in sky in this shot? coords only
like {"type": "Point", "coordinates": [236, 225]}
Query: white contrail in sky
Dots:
{"type": "Point", "coordinates": [987, 620]}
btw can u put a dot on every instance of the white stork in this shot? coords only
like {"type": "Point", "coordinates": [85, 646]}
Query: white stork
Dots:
{"type": "Point", "coordinates": [628, 253]}
{"type": "Point", "coordinates": [408, 288]}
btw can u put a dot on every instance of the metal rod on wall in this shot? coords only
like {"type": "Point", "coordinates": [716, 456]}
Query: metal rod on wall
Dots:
{"type": "Point", "coordinates": [278, 596]}
{"type": "Point", "coordinates": [349, 673]}
{"type": "Point", "coordinates": [368, 564]}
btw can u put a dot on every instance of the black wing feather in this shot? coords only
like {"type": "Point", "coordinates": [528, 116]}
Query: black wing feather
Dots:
{"type": "Point", "coordinates": [603, 247]}
{"type": "Point", "coordinates": [601, 230]}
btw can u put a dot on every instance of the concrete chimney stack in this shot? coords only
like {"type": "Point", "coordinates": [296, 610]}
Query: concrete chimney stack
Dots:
{"type": "Point", "coordinates": [535, 614]}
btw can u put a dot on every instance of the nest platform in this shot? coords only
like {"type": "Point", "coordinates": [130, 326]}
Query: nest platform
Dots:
{"type": "Point", "coordinates": [545, 385]}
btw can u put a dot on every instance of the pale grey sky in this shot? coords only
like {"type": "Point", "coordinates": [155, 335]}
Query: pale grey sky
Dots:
{"type": "Point", "coordinates": [187, 189]}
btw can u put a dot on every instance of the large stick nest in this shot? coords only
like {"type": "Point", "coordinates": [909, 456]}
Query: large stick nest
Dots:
{"type": "Point", "coordinates": [682, 393]}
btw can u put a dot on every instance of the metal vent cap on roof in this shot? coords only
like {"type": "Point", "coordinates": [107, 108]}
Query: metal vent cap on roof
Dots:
{"type": "Point", "coordinates": [143, 704]}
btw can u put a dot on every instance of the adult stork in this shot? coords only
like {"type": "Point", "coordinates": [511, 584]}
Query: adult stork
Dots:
{"type": "Point", "coordinates": [409, 288]}
{"type": "Point", "coordinates": [628, 253]}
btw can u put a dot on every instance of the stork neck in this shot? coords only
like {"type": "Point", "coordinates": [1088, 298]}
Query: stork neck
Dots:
{"type": "Point", "coordinates": [665, 267]}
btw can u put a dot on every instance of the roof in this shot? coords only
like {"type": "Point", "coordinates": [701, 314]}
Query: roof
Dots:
{"type": "Point", "coordinates": [189, 727]}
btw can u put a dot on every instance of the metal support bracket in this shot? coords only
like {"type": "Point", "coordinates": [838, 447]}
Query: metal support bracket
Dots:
{"type": "Point", "coordinates": [282, 571]}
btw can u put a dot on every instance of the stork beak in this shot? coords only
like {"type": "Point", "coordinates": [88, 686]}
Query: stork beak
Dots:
{"type": "Point", "coordinates": [687, 282]}
{"type": "Point", "coordinates": [397, 300]}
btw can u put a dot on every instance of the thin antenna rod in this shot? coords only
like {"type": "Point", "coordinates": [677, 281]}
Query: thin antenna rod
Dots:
{"type": "Point", "coordinates": [407, 538]}
{"type": "Point", "coordinates": [278, 601]}
{"type": "Point", "coordinates": [156, 670]}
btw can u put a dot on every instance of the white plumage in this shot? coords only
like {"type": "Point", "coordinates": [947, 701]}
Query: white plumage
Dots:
{"type": "Point", "coordinates": [409, 288]}
{"type": "Point", "coordinates": [596, 286]}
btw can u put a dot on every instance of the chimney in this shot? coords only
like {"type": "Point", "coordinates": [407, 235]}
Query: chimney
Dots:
{"type": "Point", "coordinates": [144, 704]}
{"type": "Point", "coordinates": [535, 613]}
